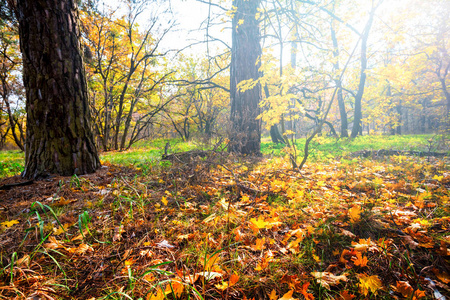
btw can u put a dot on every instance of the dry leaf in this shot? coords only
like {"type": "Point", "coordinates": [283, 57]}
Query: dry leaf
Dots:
{"type": "Point", "coordinates": [303, 291]}
{"type": "Point", "coordinates": [444, 277]}
{"type": "Point", "coordinates": [9, 223]}
{"type": "Point", "coordinates": [326, 278]}
{"type": "Point", "coordinates": [118, 230]}
{"type": "Point", "coordinates": [345, 295]}
{"type": "Point", "coordinates": [273, 295]}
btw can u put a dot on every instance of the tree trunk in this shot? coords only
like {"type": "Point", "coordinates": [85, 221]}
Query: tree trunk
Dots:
{"type": "Point", "coordinates": [362, 79]}
{"type": "Point", "coordinates": [59, 138]}
{"type": "Point", "coordinates": [245, 134]}
{"type": "Point", "coordinates": [337, 81]}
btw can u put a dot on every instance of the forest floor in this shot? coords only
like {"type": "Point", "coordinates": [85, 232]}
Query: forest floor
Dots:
{"type": "Point", "coordinates": [225, 227]}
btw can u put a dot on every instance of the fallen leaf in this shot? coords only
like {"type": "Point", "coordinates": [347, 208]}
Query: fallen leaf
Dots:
{"type": "Point", "coordinates": [288, 296]}
{"type": "Point", "coordinates": [118, 230]}
{"type": "Point", "coordinates": [210, 275]}
{"type": "Point", "coordinates": [326, 278]}
{"type": "Point", "coordinates": [222, 286]}
{"type": "Point", "coordinates": [303, 291]}
{"type": "Point", "coordinates": [345, 295]}
{"type": "Point", "coordinates": [444, 277]}
{"type": "Point", "coordinates": [360, 260]}
{"type": "Point", "coordinates": [10, 223]}
{"type": "Point", "coordinates": [53, 243]}
{"type": "Point", "coordinates": [174, 287]}
{"type": "Point", "coordinates": [354, 214]}
{"type": "Point", "coordinates": [234, 278]}
{"type": "Point", "coordinates": [259, 244]}
{"type": "Point", "coordinates": [348, 233]}
{"type": "Point", "coordinates": [273, 295]}
{"type": "Point", "coordinates": [165, 244]}
{"type": "Point", "coordinates": [369, 283]}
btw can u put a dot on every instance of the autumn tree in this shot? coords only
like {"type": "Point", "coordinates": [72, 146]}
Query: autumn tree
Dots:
{"type": "Point", "coordinates": [12, 117]}
{"type": "Point", "coordinates": [125, 70]}
{"type": "Point", "coordinates": [58, 135]}
{"type": "Point", "coordinates": [245, 133]}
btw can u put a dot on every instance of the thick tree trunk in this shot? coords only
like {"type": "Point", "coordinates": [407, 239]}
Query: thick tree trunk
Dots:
{"type": "Point", "coordinates": [59, 138]}
{"type": "Point", "coordinates": [245, 133]}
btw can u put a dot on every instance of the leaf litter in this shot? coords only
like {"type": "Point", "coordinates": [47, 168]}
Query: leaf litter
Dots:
{"type": "Point", "coordinates": [224, 228]}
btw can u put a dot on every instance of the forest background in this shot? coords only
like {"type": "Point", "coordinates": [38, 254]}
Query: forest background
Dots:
{"type": "Point", "coordinates": [358, 86]}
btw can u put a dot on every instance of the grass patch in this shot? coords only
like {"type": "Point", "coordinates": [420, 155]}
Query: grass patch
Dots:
{"type": "Point", "coordinates": [323, 148]}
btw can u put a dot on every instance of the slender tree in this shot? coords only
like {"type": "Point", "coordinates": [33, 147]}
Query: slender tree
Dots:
{"type": "Point", "coordinates": [245, 135]}
{"type": "Point", "coordinates": [58, 136]}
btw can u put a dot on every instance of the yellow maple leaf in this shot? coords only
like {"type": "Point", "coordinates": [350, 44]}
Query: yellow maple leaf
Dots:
{"type": "Point", "coordinates": [355, 214]}
{"type": "Point", "coordinates": [164, 200]}
{"type": "Point", "coordinates": [369, 283]}
{"type": "Point", "coordinates": [10, 223]}
{"type": "Point", "coordinates": [60, 230]}
{"type": "Point", "coordinates": [260, 223]}
{"type": "Point", "coordinates": [222, 286]}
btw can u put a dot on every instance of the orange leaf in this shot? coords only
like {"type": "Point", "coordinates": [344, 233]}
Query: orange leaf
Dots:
{"type": "Point", "coordinates": [233, 279]}
{"type": "Point", "coordinates": [273, 295]}
{"type": "Point", "coordinates": [404, 288]}
{"type": "Point", "coordinates": [288, 296]}
{"type": "Point", "coordinates": [345, 295]}
{"type": "Point", "coordinates": [360, 260]}
{"type": "Point", "coordinates": [259, 244]}
{"type": "Point", "coordinates": [444, 277]}
{"type": "Point", "coordinates": [308, 296]}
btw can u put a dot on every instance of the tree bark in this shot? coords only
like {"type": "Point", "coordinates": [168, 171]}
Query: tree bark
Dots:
{"type": "Point", "coordinates": [357, 127]}
{"type": "Point", "coordinates": [58, 138]}
{"type": "Point", "coordinates": [337, 81]}
{"type": "Point", "coordinates": [245, 133]}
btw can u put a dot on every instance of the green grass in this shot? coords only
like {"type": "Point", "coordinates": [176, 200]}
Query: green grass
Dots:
{"type": "Point", "coordinates": [329, 147]}
{"type": "Point", "coordinates": [147, 153]}
{"type": "Point", "coordinates": [11, 163]}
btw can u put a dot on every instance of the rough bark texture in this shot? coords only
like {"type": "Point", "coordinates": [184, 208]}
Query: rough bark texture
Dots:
{"type": "Point", "coordinates": [245, 134]}
{"type": "Point", "coordinates": [59, 138]}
